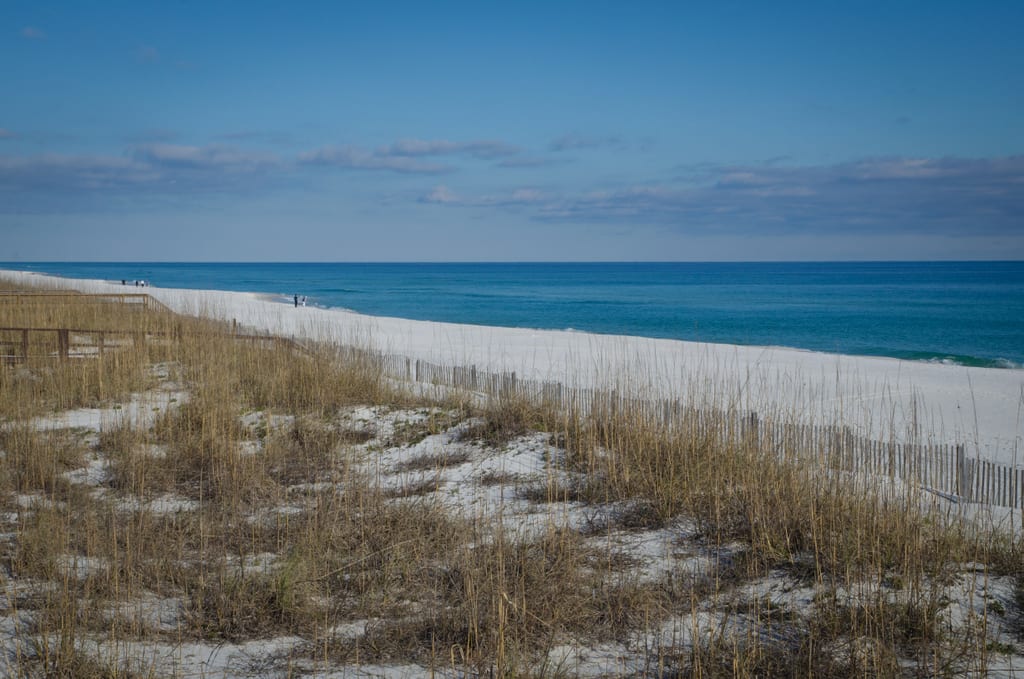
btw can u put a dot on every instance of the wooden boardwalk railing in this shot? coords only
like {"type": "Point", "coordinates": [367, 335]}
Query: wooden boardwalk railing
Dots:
{"type": "Point", "coordinates": [22, 297]}
{"type": "Point", "coordinates": [26, 293]}
{"type": "Point", "coordinates": [16, 343]}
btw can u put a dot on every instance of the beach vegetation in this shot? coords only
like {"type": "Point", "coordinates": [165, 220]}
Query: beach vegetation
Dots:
{"type": "Point", "coordinates": [294, 505]}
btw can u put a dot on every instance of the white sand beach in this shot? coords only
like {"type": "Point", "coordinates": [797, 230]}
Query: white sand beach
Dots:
{"type": "Point", "coordinates": [473, 498]}
{"type": "Point", "coordinates": [885, 398]}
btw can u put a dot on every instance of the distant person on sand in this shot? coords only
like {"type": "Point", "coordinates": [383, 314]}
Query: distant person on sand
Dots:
{"type": "Point", "coordinates": [303, 300]}
{"type": "Point", "coordinates": [296, 301]}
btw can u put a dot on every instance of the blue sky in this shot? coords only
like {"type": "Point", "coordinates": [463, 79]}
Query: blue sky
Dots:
{"type": "Point", "coordinates": [477, 131]}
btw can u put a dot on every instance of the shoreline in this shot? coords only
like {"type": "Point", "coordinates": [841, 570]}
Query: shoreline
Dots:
{"type": "Point", "coordinates": [850, 309]}
{"type": "Point", "coordinates": [884, 398]}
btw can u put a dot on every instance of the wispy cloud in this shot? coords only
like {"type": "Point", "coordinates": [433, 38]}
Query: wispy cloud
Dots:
{"type": "Point", "coordinates": [32, 33]}
{"type": "Point", "coordinates": [258, 136]}
{"type": "Point", "coordinates": [51, 172]}
{"type": "Point", "coordinates": [154, 165]}
{"type": "Point", "coordinates": [910, 195]}
{"type": "Point", "coordinates": [442, 195]}
{"type": "Point", "coordinates": [153, 135]}
{"type": "Point", "coordinates": [483, 149]}
{"type": "Point", "coordinates": [528, 162]}
{"type": "Point", "coordinates": [353, 158]}
{"type": "Point", "coordinates": [406, 156]}
{"type": "Point", "coordinates": [148, 54]}
{"type": "Point", "coordinates": [212, 157]}
{"type": "Point", "coordinates": [519, 197]}
{"type": "Point", "coordinates": [575, 142]}
{"type": "Point", "coordinates": [149, 169]}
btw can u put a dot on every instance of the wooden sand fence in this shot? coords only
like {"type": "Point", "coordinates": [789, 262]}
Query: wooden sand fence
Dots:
{"type": "Point", "coordinates": [945, 469]}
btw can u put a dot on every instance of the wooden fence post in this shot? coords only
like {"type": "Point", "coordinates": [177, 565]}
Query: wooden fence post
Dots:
{"type": "Point", "coordinates": [961, 473]}
{"type": "Point", "coordinates": [1006, 478]}
{"type": "Point", "coordinates": [754, 428]}
{"type": "Point", "coordinates": [63, 342]}
{"type": "Point", "coordinates": [24, 344]}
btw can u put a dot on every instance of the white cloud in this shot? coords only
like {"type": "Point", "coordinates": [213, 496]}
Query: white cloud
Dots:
{"type": "Point", "coordinates": [949, 196]}
{"type": "Point", "coordinates": [440, 194]}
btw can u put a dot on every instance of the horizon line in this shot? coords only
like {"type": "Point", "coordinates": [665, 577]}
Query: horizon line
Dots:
{"type": "Point", "coordinates": [530, 261]}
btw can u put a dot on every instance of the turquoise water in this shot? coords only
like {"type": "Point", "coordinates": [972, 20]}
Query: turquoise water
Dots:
{"type": "Point", "coordinates": [970, 313]}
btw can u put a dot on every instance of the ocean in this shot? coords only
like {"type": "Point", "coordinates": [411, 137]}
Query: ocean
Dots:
{"type": "Point", "coordinates": [969, 313]}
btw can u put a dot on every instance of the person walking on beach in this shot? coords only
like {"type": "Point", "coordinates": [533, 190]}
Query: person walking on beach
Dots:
{"type": "Point", "coordinates": [296, 301]}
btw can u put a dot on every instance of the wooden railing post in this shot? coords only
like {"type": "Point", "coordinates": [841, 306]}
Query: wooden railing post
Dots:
{"type": "Point", "coordinates": [24, 344]}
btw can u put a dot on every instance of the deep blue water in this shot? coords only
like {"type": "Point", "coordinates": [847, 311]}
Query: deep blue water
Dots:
{"type": "Point", "coordinates": [964, 312]}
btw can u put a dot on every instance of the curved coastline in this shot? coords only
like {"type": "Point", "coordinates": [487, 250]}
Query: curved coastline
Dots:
{"type": "Point", "coordinates": [888, 398]}
{"type": "Point", "coordinates": [954, 313]}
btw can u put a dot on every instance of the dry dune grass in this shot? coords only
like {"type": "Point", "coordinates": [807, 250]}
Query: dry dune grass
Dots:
{"type": "Point", "coordinates": [258, 512]}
